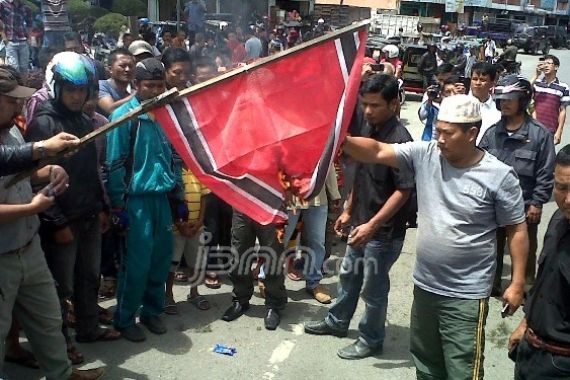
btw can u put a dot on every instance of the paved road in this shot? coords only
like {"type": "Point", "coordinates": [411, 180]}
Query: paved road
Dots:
{"type": "Point", "coordinates": [287, 353]}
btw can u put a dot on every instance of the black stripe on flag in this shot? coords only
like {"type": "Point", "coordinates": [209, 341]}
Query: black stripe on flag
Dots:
{"type": "Point", "coordinates": [349, 51]}
{"type": "Point", "coordinates": [199, 151]}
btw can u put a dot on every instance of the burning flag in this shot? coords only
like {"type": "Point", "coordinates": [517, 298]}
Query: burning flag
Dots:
{"type": "Point", "coordinates": [272, 124]}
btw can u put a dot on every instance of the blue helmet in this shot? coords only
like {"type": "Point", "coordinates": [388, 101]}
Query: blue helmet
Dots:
{"type": "Point", "coordinates": [71, 68]}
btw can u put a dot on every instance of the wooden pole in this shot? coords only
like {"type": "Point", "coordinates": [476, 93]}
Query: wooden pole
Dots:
{"type": "Point", "coordinates": [145, 107]}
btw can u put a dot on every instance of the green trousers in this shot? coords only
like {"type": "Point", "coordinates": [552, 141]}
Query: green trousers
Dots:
{"type": "Point", "coordinates": [146, 262]}
{"type": "Point", "coordinates": [447, 336]}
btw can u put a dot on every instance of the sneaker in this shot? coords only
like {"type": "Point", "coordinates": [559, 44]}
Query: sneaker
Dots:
{"type": "Point", "coordinates": [320, 293]}
{"type": "Point", "coordinates": [322, 328]}
{"type": "Point", "coordinates": [358, 350]}
{"type": "Point", "coordinates": [87, 374]}
{"type": "Point", "coordinates": [133, 333]}
{"type": "Point", "coordinates": [154, 324]}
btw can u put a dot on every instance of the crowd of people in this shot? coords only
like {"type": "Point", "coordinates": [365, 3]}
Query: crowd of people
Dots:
{"type": "Point", "coordinates": [125, 218]}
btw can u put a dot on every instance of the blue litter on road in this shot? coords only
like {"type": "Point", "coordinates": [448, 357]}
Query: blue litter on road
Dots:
{"type": "Point", "coordinates": [225, 350]}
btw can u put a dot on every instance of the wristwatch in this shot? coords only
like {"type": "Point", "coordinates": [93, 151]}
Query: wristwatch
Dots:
{"type": "Point", "coordinates": [41, 149]}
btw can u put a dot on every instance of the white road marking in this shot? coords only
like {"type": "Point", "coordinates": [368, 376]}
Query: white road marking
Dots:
{"type": "Point", "coordinates": [279, 355]}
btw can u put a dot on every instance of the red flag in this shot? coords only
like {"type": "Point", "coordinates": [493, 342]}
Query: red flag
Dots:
{"type": "Point", "coordinates": [285, 114]}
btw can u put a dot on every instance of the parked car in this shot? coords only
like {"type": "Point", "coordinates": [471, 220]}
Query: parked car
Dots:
{"type": "Point", "coordinates": [532, 39]}
{"type": "Point", "coordinates": [557, 36]}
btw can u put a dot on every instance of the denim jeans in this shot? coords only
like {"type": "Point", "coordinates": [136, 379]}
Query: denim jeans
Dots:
{"type": "Point", "coordinates": [366, 269]}
{"type": "Point", "coordinates": [314, 229]}
{"type": "Point", "coordinates": [18, 55]}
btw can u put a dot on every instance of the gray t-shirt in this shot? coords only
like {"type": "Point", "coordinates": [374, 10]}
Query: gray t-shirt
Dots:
{"type": "Point", "coordinates": [459, 210]}
{"type": "Point", "coordinates": [19, 232]}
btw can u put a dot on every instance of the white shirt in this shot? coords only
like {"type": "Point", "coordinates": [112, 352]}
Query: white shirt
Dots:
{"type": "Point", "coordinates": [489, 115]}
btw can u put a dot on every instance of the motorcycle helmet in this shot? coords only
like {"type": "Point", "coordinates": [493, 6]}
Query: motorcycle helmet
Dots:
{"type": "Point", "coordinates": [391, 51]}
{"type": "Point", "coordinates": [513, 87]}
{"type": "Point", "coordinates": [73, 68]}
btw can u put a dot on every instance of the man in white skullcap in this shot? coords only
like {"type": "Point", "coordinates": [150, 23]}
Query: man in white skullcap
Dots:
{"type": "Point", "coordinates": [464, 195]}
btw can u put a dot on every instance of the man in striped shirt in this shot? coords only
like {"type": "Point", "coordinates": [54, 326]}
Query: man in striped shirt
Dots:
{"type": "Point", "coordinates": [550, 97]}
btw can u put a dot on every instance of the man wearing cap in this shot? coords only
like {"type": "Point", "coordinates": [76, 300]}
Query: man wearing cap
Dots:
{"type": "Point", "coordinates": [142, 174]}
{"type": "Point", "coordinates": [26, 284]}
{"type": "Point", "coordinates": [141, 50]}
{"type": "Point", "coordinates": [464, 195]}
{"type": "Point", "coordinates": [521, 142]}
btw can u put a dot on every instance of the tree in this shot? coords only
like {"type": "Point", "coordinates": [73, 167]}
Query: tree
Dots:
{"type": "Point", "coordinates": [110, 24]}
{"type": "Point", "coordinates": [81, 13]}
{"type": "Point", "coordinates": [130, 7]}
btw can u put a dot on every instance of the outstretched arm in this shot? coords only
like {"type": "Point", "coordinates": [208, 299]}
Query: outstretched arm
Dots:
{"type": "Point", "coordinates": [370, 151]}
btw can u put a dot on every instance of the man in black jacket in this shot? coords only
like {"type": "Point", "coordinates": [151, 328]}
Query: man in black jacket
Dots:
{"type": "Point", "coordinates": [541, 342]}
{"type": "Point", "coordinates": [520, 141]}
{"type": "Point", "coordinates": [71, 229]}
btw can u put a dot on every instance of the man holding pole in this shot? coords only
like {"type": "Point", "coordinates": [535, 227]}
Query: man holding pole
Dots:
{"type": "Point", "coordinates": [142, 177]}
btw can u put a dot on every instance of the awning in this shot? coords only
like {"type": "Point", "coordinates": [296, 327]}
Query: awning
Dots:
{"type": "Point", "coordinates": [383, 4]}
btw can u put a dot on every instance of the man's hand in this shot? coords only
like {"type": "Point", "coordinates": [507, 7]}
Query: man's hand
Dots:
{"type": "Point", "coordinates": [194, 228]}
{"type": "Point", "coordinates": [335, 205]}
{"type": "Point", "coordinates": [342, 223]}
{"type": "Point", "coordinates": [104, 222]}
{"type": "Point", "coordinates": [41, 202]}
{"type": "Point", "coordinates": [59, 180]}
{"type": "Point", "coordinates": [60, 142]}
{"type": "Point", "coordinates": [361, 235]}
{"type": "Point", "coordinates": [513, 295]}
{"type": "Point", "coordinates": [63, 236]}
{"type": "Point", "coordinates": [539, 69]}
{"type": "Point", "coordinates": [557, 137]}
{"type": "Point", "coordinates": [366, 72]}
{"type": "Point", "coordinates": [533, 214]}
{"type": "Point", "coordinates": [518, 334]}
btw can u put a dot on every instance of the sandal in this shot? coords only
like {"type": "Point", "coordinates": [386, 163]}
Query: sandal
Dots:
{"type": "Point", "coordinates": [200, 302]}
{"type": "Point", "coordinates": [105, 316]}
{"type": "Point", "coordinates": [180, 277]}
{"type": "Point", "coordinates": [75, 357]}
{"type": "Point", "coordinates": [101, 335]}
{"type": "Point", "coordinates": [293, 273]}
{"type": "Point", "coordinates": [24, 358]}
{"type": "Point", "coordinates": [212, 281]}
{"type": "Point", "coordinates": [170, 307]}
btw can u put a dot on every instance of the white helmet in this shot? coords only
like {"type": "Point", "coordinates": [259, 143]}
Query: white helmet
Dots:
{"type": "Point", "coordinates": [391, 51]}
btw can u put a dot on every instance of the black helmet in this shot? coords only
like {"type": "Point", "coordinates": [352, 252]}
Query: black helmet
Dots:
{"type": "Point", "coordinates": [513, 87]}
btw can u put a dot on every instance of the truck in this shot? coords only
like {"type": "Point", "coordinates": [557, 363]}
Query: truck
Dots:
{"type": "Point", "coordinates": [388, 24]}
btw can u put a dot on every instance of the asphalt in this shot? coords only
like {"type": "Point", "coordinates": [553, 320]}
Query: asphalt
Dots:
{"type": "Point", "coordinates": [185, 352]}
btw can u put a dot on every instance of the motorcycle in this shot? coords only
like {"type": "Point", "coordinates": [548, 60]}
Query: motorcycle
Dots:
{"type": "Point", "coordinates": [511, 67]}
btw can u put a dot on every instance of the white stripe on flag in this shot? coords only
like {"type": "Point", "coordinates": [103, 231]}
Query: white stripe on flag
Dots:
{"type": "Point", "coordinates": [356, 40]}
{"type": "Point", "coordinates": [341, 60]}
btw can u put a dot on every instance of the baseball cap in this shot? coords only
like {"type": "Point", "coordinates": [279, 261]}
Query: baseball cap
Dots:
{"type": "Point", "coordinates": [149, 69]}
{"type": "Point", "coordinates": [460, 109]}
{"type": "Point", "coordinates": [139, 47]}
{"type": "Point", "coordinates": [9, 86]}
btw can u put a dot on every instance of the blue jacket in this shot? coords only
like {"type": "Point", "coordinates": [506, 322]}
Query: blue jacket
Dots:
{"type": "Point", "coordinates": [147, 165]}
